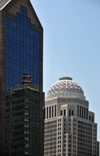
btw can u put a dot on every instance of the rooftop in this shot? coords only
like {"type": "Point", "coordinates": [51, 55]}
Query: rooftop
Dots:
{"type": "Point", "coordinates": [65, 87]}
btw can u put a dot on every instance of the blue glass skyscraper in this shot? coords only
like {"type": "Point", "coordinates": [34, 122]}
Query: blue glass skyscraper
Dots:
{"type": "Point", "coordinates": [21, 50]}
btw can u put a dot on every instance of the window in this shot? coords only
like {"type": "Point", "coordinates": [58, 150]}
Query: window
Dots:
{"type": "Point", "coordinates": [52, 111]}
{"type": "Point", "coordinates": [82, 112]}
{"type": "Point", "coordinates": [78, 111]}
{"type": "Point", "coordinates": [72, 113]}
{"type": "Point", "coordinates": [92, 119]}
{"type": "Point", "coordinates": [69, 112]}
{"type": "Point", "coordinates": [89, 117]}
{"type": "Point", "coordinates": [87, 113]}
{"type": "Point", "coordinates": [55, 110]}
{"type": "Point", "coordinates": [64, 112]}
{"type": "Point", "coordinates": [47, 112]}
{"type": "Point", "coordinates": [61, 113]}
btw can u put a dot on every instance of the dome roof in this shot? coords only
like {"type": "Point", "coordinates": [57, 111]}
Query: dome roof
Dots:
{"type": "Point", "coordinates": [65, 87]}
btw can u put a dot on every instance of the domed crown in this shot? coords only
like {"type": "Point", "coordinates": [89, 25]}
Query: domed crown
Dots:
{"type": "Point", "coordinates": [65, 87]}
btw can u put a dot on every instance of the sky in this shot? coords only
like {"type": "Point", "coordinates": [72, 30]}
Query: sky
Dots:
{"type": "Point", "coordinates": [72, 45]}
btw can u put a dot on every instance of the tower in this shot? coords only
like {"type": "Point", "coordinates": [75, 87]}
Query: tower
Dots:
{"type": "Point", "coordinates": [70, 128]}
{"type": "Point", "coordinates": [22, 118]}
{"type": "Point", "coordinates": [21, 50]}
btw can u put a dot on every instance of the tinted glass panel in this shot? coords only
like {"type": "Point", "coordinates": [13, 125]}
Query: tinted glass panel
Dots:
{"type": "Point", "coordinates": [22, 49]}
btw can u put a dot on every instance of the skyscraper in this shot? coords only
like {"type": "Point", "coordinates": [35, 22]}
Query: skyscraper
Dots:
{"type": "Point", "coordinates": [21, 50]}
{"type": "Point", "coordinates": [22, 119]}
{"type": "Point", "coordinates": [70, 128]}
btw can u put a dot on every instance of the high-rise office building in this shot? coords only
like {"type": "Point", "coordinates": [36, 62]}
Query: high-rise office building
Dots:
{"type": "Point", "coordinates": [21, 50]}
{"type": "Point", "coordinates": [22, 119]}
{"type": "Point", "coordinates": [70, 128]}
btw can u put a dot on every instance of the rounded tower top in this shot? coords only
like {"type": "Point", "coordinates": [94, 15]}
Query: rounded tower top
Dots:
{"type": "Point", "coordinates": [65, 87]}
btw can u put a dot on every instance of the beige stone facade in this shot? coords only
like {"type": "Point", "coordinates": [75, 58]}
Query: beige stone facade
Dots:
{"type": "Point", "coordinates": [70, 128]}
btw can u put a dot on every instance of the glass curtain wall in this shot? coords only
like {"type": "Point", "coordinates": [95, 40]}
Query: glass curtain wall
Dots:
{"type": "Point", "coordinates": [22, 49]}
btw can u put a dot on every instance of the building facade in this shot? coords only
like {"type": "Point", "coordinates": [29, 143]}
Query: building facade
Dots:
{"type": "Point", "coordinates": [21, 50]}
{"type": "Point", "coordinates": [22, 119]}
{"type": "Point", "coordinates": [70, 128]}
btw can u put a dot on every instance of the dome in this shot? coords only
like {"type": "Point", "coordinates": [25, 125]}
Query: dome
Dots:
{"type": "Point", "coordinates": [65, 87]}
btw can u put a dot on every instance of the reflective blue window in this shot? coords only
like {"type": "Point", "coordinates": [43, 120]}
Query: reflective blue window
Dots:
{"type": "Point", "coordinates": [22, 49]}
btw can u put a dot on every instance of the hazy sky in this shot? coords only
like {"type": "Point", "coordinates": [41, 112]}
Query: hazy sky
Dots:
{"type": "Point", "coordinates": [72, 45]}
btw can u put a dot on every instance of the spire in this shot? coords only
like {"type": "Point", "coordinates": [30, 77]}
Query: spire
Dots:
{"type": "Point", "coordinates": [65, 78]}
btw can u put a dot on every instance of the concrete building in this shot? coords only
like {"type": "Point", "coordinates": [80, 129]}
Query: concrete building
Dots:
{"type": "Point", "coordinates": [70, 128]}
{"type": "Point", "coordinates": [21, 50]}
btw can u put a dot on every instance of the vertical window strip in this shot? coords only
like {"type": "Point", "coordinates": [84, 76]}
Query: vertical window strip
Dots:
{"type": "Point", "coordinates": [87, 113]}
{"type": "Point", "coordinates": [47, 112]}
{"type": "Point", "coordinates": [55, 110]}
{"type": "Point", "coordinates": [72, 113]}
{"type": "Point", "coordinates": [61, 113]}
{"type": "Point", "coordinates": [52, 111]}
{"type": "Point", "coordinates": [69, 112]}
{"type": "Point", "coordinates": [64, 112]}
{"type": "Point", "coordinates": [78, 110]}
{"type": "Point", "coordinates": [82, 112]}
